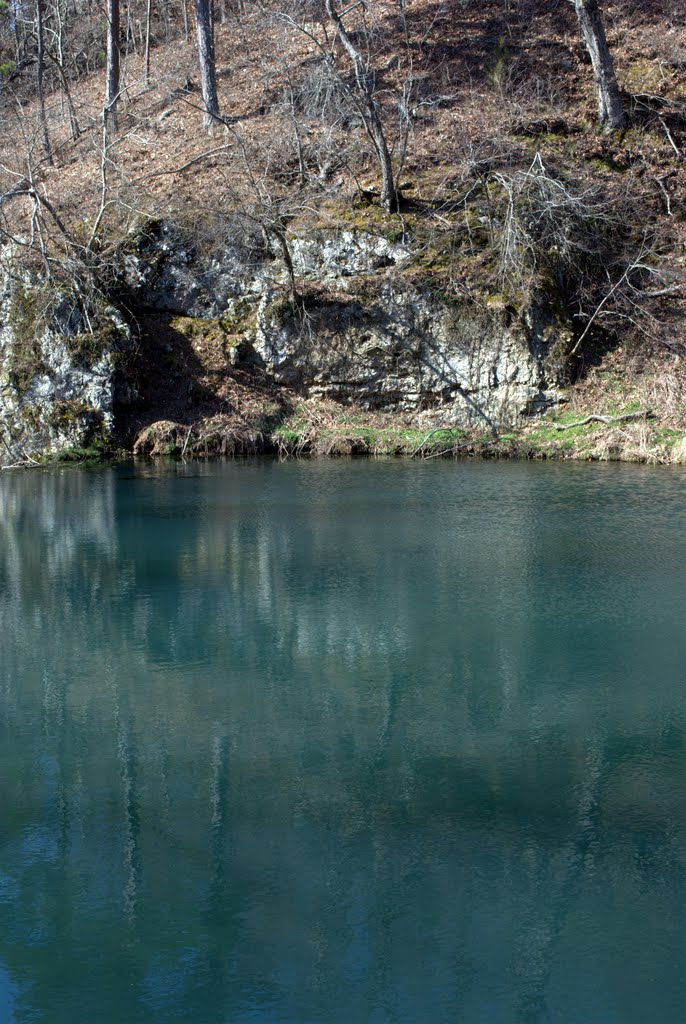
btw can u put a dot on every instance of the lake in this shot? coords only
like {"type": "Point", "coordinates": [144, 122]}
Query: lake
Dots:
{"type": "Point", "coordinates": [343, 742]}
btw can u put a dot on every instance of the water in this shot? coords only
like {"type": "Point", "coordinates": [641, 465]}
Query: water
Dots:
{"type": "Point", "coordinates": [328, 743]}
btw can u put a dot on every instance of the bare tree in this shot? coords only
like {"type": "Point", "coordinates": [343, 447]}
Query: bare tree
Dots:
{"type": "Point", "coordinates": [610, 109]}
{"type": "Point", "coordinates": [335, 83]}
{"type": "Point", "coordinates": [369, 109]}
{"type": "Point", "coordinates": [208, 79]}
{"type": "Point", "coordinates": [112, 93]}
{"type": "Point", "coordinates": [259, 202]}
{"type": "Point", "coordinates": [56, 55]}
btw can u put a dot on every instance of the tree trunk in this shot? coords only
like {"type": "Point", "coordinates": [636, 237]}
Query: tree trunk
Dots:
{"type": "Point", "coordinates": [58, 60]}
{"type": "Point", "coordinates": [73, 120]}
{"type": "Point", "coordinates": [370, 112]}
{"type": "Point", "coordinates": [278, 233]}
{"type": "Point", "coordinates": [610, 109]}
{"type": "Point", "coordinates": [40, 64]}
{"type": "Point", "coordinates": [19, 37]}
{"type": "Point", "coordinates": [112, 94]}
{"type": "Point", "coordinates": [148, 20]}
{"type": "Point", "coordinates": [208, 81]}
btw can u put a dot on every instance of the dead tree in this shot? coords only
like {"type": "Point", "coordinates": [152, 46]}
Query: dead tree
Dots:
{"type": "Point", "coordinates": [208, 78]}
{"type": "Point", "coordinates": [610, 109]}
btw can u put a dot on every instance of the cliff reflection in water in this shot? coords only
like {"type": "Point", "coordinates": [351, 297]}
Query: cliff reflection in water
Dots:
{"type": "Point", "coordinates": [340, 742]}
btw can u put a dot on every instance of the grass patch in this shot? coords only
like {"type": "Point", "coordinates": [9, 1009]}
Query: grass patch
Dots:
{"type": "Point", "coordinates": [326, 429]}
{"type": "Point", "coordinates": [90, 454]}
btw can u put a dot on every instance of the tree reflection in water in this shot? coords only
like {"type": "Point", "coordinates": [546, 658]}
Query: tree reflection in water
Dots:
{"type": "Point", "coordinates": [340, 742]}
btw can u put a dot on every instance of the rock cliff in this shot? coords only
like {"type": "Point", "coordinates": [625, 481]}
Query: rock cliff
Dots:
{"type": "Point", "coordinates": [351, 323]}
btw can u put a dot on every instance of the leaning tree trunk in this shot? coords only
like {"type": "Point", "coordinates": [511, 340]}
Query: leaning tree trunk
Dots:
{"type": "Point", "coordinates": [112, 93]}
{"type": "Point", "coordinates": [208, 80]}
{"type": "Point", "coordinates": [40, 65]}
{"type": "Point", "coordinates": [370, 112]}
{"type": "Point", "coordinates": [610, 109]}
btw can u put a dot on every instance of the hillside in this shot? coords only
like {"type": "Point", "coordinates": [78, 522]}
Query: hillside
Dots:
{"type": "Point", "coordinates": [514, 208]}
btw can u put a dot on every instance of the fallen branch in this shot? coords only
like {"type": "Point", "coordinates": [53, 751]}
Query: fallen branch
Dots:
{"type": "Point", "coordinates": [177, 170]}
{"type": "Point", "coordinates": [452, 450]}
{"type": "Point", "coordinates": [664, 291]}
{"type": "Point", "coordinates": [421, 444]}
{"type": "Point", "coordinates": [593, 418]}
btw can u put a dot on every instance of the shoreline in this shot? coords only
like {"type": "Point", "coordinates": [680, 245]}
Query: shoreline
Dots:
{"type": "Point", "coordinates": [632, 444]}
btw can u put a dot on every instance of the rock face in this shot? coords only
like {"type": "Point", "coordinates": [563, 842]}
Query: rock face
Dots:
{"type": "Point", "coordinates": [370, 332]}
{"type": "Point", "coordinates": [406, 350]}
{"type": "Point", "coordinates": [57, 373]}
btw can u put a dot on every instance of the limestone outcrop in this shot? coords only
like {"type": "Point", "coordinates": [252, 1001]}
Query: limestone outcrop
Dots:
{"type": "Point", "coordinates": [58, 370]}
{"type": "Point", "coordinates": [354, 322]}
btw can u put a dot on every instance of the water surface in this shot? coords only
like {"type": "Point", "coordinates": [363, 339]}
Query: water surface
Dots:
{"type": "Point", "coordinates": [328, 743]}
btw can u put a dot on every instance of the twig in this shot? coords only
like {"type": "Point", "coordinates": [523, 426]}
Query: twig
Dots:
{"type": "Point", "coordinates": [661, 101]}
{"type": "Point", "coordinates": [660, 182]}
{"type": "Point", "coordinates": [598, 308]}
{"type": "Point", "coordinates": [671, 140]}
{"type": "Point", "coordinates": [185, 443]}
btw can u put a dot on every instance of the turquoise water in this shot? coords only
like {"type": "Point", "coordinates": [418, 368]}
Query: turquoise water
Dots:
{"type": "Point", "coordinates": [342, 742]}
